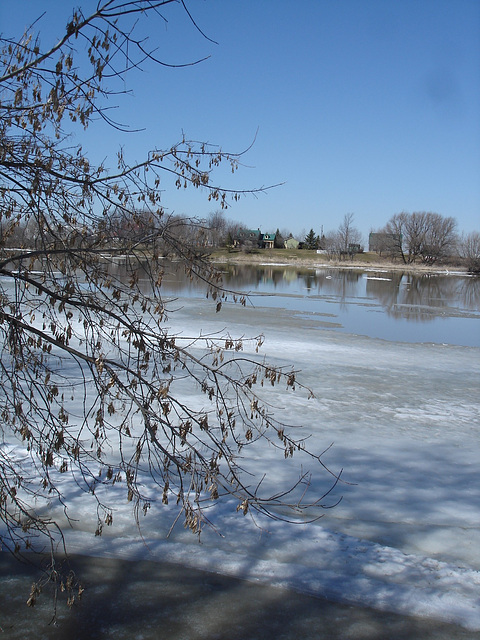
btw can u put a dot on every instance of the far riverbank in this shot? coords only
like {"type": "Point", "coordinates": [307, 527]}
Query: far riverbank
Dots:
{"type": "Point", "coordinates": [304, 258]}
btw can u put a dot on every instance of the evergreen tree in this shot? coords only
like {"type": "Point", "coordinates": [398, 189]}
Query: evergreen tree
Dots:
{"type": "Point", "coordinates": [311, 240]}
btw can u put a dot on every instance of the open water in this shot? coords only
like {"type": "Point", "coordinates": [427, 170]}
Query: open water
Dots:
{"type": "Point", "coordinates": [442, 308]}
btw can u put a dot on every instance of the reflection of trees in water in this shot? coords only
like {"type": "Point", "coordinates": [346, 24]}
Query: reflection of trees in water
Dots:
{"type": "Point", "coordinates": [273, 277]}
{"type": "Point", "coordinates": [337, 284]}
{"type": "Point", "coordinates": [420, 297]}
{"type": "Point", "coordinates": [470, 291]}
{"type": "Point", "coordinates": [402, 295]}
{"type": "Point", "coordinates": [251, 277]}
{"type": "Point", "coordinates": [387, 292]}
{"type": "Point", "coordinates": [241, 276]}
{"type": "Point", "coordinates": [174, 278]}
{"type": "Point", "coordinates": [341, 283]}
{"type": "Point", "coordinates": [326, 281]}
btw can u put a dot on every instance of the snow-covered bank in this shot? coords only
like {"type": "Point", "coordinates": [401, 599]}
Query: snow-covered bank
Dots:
{"type": "Point", "coordinates": [147, 600]}
{"type": "Point", "coordinates": [318, 562]}
{"type": "Point", "coordinates": [310, 559]}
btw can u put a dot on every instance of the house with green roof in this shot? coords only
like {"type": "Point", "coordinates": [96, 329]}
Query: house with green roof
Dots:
{"type": "Point", "coordinates": [255, 238]}
{"type": "Point", "coordinates": [268, 240]}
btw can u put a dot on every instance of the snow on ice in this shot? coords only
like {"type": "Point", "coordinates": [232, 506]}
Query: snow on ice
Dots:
{"type": "Point", "coordinates": [404, 423]}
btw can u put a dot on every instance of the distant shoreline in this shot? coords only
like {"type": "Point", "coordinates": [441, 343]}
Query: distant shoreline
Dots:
{"type": "Point", "coordinates": [310, 259]}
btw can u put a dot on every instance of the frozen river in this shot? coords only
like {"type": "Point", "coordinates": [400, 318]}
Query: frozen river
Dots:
{"type": "Point", "coordinates": [394, 364]}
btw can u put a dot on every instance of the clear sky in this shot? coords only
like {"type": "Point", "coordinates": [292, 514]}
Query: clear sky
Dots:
{"type": "Point", "coordinates": [369, 107]}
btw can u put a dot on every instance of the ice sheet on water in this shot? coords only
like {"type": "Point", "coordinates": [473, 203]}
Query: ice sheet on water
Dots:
{"type": "Point", "coordinates": [310, 560]}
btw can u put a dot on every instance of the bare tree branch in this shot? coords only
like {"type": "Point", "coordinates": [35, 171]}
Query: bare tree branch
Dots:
{"type": "Point", "coordinates": [92, 376]}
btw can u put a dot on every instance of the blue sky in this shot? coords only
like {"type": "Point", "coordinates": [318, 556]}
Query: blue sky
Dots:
{"type": "Point", "coordinates": [362, 106]}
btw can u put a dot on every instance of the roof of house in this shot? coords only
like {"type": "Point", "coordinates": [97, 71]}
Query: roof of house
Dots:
{"type": "Point", "coordinates": [251, 232]}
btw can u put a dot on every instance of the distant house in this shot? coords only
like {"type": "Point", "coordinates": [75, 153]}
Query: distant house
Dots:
{"type": "Point", "coordinates": [268, 240]}
{"type": "Point", "coordinates": [254, 239]}
{"type": "Point", "coordinates": [291, 243]}
{"type": "Point", "coordinates": [249, 237]}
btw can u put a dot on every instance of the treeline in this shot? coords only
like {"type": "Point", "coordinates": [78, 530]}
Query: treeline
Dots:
{"type": "Point", "coordinates": [419, 237]}
{"type": "Point", "coordinates": [428, 238]}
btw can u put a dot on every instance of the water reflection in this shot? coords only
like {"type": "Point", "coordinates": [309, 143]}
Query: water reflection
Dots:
{"type": "Point", "coordinates": [374, 303]}
{"type": "Point", "coordinates": [400, 294]}
{"type": "Point", "coordinates": [424, 297]}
